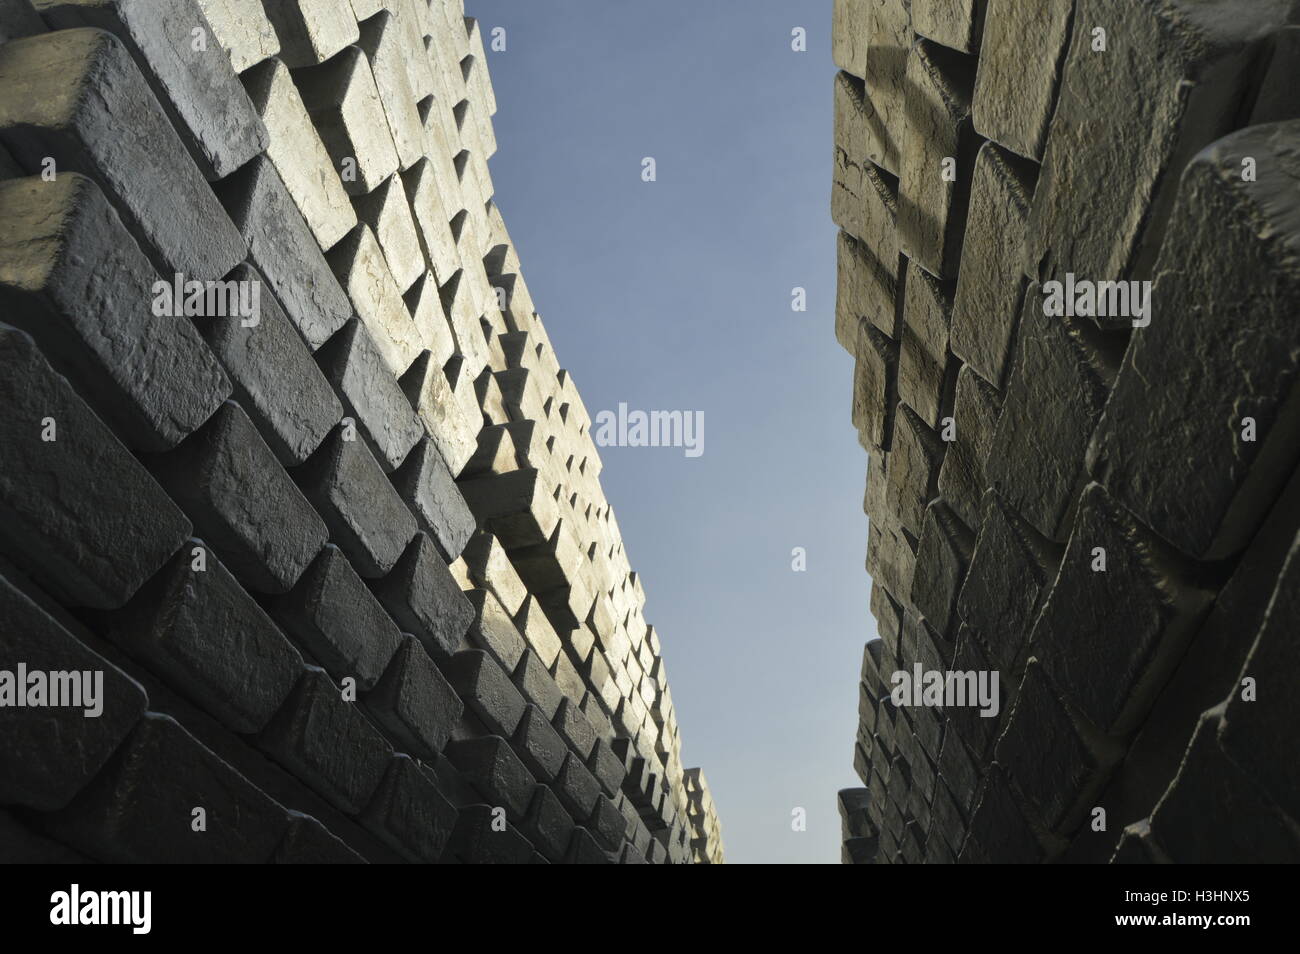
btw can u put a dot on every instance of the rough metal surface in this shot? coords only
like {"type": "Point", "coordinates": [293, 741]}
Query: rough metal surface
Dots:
{"type": "Point", "coordinates": [329, 521]}
{"type": "Point", "coordinates": [1097, 505]}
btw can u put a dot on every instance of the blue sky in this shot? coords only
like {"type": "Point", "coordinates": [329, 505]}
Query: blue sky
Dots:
{"type": "Point", "coordinates": [676, 295]}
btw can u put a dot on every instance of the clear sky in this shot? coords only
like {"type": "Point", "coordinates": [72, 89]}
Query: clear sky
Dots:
{"type": "Point", "coordinates": [676, 295]}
